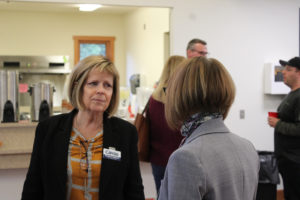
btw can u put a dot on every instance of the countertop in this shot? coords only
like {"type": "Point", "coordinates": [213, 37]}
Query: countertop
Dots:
{"type": "Point", "coordinates": [16, 141]}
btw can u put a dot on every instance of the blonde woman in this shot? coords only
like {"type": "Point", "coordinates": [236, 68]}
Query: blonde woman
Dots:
{"type": "Point", "coordinates": [87, 153]}
{"type": "Point", "coordinates": [212, 163]}
{"type": "Point", "coordinates": [163, 140]}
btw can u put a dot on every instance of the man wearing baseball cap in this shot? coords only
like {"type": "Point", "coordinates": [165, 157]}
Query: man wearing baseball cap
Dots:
{"type": "Point", "coordinates": [287, 131]}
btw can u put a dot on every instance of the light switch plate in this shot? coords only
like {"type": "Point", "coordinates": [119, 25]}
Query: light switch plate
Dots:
{"type": "Point", "coordinates": [242, 114]}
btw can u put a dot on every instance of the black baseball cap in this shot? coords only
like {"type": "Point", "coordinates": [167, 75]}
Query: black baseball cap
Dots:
{"type": "Point", "coordinates": [294, 62]}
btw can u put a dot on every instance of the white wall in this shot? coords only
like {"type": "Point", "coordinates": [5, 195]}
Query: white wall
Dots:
{"type": "Point", "coordinates": [145, 30]}
{"type": "Point", "coordinates": [243, 35]}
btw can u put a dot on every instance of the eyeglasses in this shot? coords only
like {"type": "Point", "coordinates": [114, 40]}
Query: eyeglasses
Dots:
{"type": "Point", "coordinates": [84, 161]}
{"type": "Point", "coordinates": [202, 53]}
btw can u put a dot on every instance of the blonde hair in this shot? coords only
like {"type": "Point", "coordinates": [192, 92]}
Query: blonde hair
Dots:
{"type": "Point", "coordinates": [169, 68]}
{"type": "Point", "coordinates": [200, 85]}
{"type": "Point", "coordinates": [80, 74]}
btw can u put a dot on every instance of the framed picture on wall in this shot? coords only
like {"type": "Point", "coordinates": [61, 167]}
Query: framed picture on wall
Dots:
{"type": "Point", "coordinates": [278, 76]}
{"type": "Point", "coordinates": [93, 45]}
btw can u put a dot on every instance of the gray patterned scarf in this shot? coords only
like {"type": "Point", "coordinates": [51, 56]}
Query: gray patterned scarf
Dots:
{"type": "Point", "coordinates": [195, 121]}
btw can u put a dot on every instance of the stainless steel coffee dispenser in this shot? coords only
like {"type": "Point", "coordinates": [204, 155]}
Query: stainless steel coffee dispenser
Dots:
{"type": "Point", "coordinates": [41, 101]}
{"type": "Point", "coordinates": [9, 96]}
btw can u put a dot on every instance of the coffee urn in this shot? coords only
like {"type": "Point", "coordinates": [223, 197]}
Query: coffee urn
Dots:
{"type": "Point", "coordinates": [9, 96]}
{"type": "Point", "coordinates": [41, 101]}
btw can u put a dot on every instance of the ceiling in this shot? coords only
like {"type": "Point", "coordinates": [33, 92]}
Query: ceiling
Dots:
{"type": "Point", "coordinates": [61, 7]}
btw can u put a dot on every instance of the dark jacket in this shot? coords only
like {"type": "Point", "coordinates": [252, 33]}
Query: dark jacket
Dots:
{"type": "Point", "coordinates": [287, 129]}
{"type": "Point", "coordinates": [47, 174]}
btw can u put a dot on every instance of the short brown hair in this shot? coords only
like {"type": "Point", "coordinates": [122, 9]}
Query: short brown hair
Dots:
{"type": "Point", "coordinates": [200, 85]}
{"type": "Point", "coordinates": [193, 42]}
{"type": "Point", "coordinates": [80, 74]}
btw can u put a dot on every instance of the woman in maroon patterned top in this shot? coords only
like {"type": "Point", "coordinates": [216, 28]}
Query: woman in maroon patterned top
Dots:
{"type": "Point", "coordinates": [163, 140]}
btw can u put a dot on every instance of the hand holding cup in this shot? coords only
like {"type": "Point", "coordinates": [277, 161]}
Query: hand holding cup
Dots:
{"type": "Point", "coordinates": [273, 118]}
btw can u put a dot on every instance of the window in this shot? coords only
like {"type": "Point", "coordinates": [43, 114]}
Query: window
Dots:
{"type": "Point", "coordinates": [93, 45]}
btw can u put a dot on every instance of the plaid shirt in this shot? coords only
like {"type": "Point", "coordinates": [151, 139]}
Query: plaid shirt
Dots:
{"type": "Point", "coordinates": [84, 165]}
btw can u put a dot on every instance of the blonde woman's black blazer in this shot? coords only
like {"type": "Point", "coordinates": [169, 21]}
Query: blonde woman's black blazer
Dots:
{"type": "Point", "coordinates": [47, 173]}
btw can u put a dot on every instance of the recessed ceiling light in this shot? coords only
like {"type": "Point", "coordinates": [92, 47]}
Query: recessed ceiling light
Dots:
{"type": "Point", "coordinates": [89, 7]}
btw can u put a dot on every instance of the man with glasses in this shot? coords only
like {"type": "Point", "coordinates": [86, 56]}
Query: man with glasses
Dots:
{"type": "Point", "coordinates": [196, 48]}
{"type": "Point", "coordinates": [287, 131]}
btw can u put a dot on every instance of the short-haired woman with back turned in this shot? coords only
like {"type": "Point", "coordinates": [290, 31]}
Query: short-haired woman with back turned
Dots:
{"type": "Point", "coordinates": [212, 163]}
{"type": "Point", "coordinates": [86, 154]}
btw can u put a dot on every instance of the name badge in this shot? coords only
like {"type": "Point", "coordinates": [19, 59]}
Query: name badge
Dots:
{"type": "Point", "coordinates": [111, 154]}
